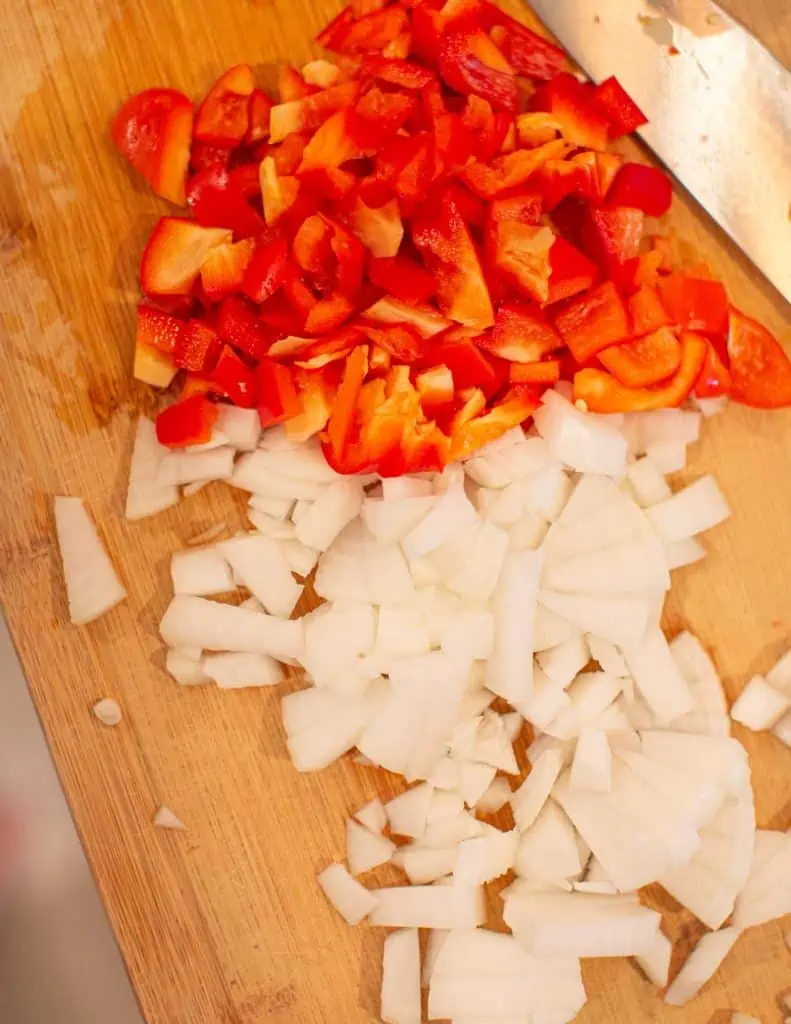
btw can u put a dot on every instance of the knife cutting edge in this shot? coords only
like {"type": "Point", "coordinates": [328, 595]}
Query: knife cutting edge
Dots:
{"type": "Point", "coordinates": [719, 108]}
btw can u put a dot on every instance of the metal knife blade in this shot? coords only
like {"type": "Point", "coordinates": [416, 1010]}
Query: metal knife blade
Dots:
{"type": "Point", "coordinates": [720, 114]}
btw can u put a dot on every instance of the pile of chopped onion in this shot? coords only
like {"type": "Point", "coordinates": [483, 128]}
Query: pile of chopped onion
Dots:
{"type": "Point", "coordinates": [510, 604]}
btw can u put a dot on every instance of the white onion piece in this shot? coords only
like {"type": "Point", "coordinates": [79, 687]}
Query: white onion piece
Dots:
{"type": "Point", "coordinates": [548, 848]}
{"type": "Point", "coordinates": [667, 456]}
{"type": "Point", "coordinates": [581, 925]}
{"type": "Point", "coordinates": [589, 698]}
{"type": "Point", "coordinates": [656, 962]}
{"type": "Point", "coordinates": [108, 711]}
{"type": "Point", "coordinates": [92, 584]}
{"type": "Point", "coordinates": [647, 483]}
{"type": "Point", "coordinates": [741, 1018]}
{"type": "Point", "coordinates": [485, 858]}
{"type": "Point", "coordinates": [444, 805]}
{"type": "Point", "coordinates": [301, 560]}
{"type": "Point", "coordinates": [424, 865]}
{"type": "Point", "coordinates": [592, 764]}
{"type": "Point", "coordinates": [585, 443]}
{"type": "Point", "coordinates": [682, 553]}
{"type": "Point", "coordinates": [562, 663]}
{"type": "Point", "coordinates": [390, 521]}
{"type": "Point", "coordinates": [182, 467]}
{"type": "Point", "coordinates": [408, 813]}
{"type": "Point", "coordinates": [531, 796]}
{"type": "Point", "coordinates": [704, 960]}
{"type": "Point", "coordinates": [766, 896]}
{"type": "Point", "coordinates": [760, 706]}
{"type": "Point", "coordinates": [450, 515]}
{"type": "Point", "coordinates": [201, 572]}
{"type": "Point", "coordinates": [241, 427]}
{"type": "Point", "coordinates": [627, 568]}
{"type": "Point", "coordinates": [196, 622]}
{"type": "Point", "coordinates": [322, 726]}
{"type": "Point", "coordinates": [429, 906]}
{"type": "Point", "coordinates": [474, 781]}
{"type": "Point", "coordinates": [254, 473]}
{"type": "Point", "coordinates": [165, 818]}
{"type": "Point", "coordinates": [468, 635]}
{"type": "Point", "coordinates": [621, 620]}
{"type": "Point", "coordinates": [547, 701]}
{"type": "Point", "coordinates": [697, 508]}
{"type": "Point", "coordinates": [476, 575]}
{"type": "Point", "coordinates": [184, 668]}
{"type": "Point", "coordinates": [783, 730]}
{"type": "Point", "coordinates": [397, 487]}
{"type": "Point", "coordinates": [335, 636]}
{"type": "Point", "coordinates": [780, 675]}
{"type": "Point", "coordinates": [366, 850]}
{"type": "Point", "coordinates": [609, 657]}
{"type": "Point", "coordinates": [449, 832]}
{"type": "Point", "coordinates": [495, 798]}
{"type": "Point", "coordinates": [145, 495]}
{"type": "Point", "coordinates": [509, 673]}
{"type": "Point", "coordinates": [492, 745]}
{"type": "Point", "coordinates": [401, 998]}
{"type": "Point", "coordinates": [236, 671]}
{"type": "Point", "coordinates": [657, 677]}
{"type": "Point", "coordinates": [277, 508]}
{"type": "Point", "coordinates": [373, 816]}
{"type": "Point", "coordinates": [550, 630]}
{"type": "Point", "coordinates": [352, 900]}
{"type": "Point", "coordinates": [327, 517]}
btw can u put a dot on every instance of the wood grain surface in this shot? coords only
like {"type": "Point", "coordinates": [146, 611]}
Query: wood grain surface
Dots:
{"type": "Point", "coordinates": [224, 924]}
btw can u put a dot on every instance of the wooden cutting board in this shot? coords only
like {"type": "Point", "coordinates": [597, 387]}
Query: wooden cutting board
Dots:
{"type": "Point", "coordinates": [224, 924]}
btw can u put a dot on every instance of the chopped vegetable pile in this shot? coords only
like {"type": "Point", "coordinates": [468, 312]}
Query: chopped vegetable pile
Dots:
{"type": "Point", "coordinates": [414, 242]}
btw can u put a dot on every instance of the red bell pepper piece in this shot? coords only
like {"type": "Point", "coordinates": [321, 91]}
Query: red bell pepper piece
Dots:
{"type": "Point", "coordinates": [612, 237]}
{"type": "Point", "coordinates": [521, 334]}
{"type": "Point", "coordinates": [188, 422]}
{"type": "Point", "coordinates": [234, 379]}
{"type": "Point", "coordinates": [647, 361]}
{"type": "Point", "coordinates": [426, 33]}
{"type": "Point", "coordinates": [246, 179]}
{"type": "Point", "coordinates": [470, 63]}
{"type": "Point", "coordinates": [368, 34]}
{"type": "Point", "coordinates": [453, 142]}
{"type": "Point", "coordinates": [175, 253]}
{"type": "Point", "coordinates": [342, 416]}
{"type": "Point", "coordinates": [403, 278]}
{"type": "Point", "coordinates": [448, 250]}
{"type": "Point", "coordinates": [267, 270]}
{"type": "Point", "coordinates": [238, 325]}
{"type": "Point", "coordinates": [558, 179]}
{"type": "Point", "coordinates": [622, 113]}
{"type": "Point", "coordinates": [158, 329]}
{"type": "Point", "coordinates": [646, 188]}
{"type": "Point", "coordinates": [511, 170]}
{"type": "Point", "coordinates": [402, 73]}
{"type": "Point", "coordinates": [349, 255]}
{"type": "Point", "coordinates": [761, 369]}
{"type": "Point", "coordinates": [695, 304]}
{"type": "Point", "coordinates": [291, 86]}
{"type": "Point", "coordinates": [608, 165]}
{"type": "Point", "coordinates": [570, 103]}
{"type": "Point", "coordinates": [215, 202]}
{"type": "Point", "coordinates": [521, 252]}
{"type": "Point", "coordinates": [471, 209]}
{"type": "Point", "coordinates": [400, 153]}
{"type": "Point", "coordinates": [328, 314]}
{"type": "Point", "coordinates": [715, 378]}
{"type": "Point", "coordinates": [309, 113]}
{"type": "Point", "coordinates": [153, 130]}
{"type": "Point", "coordinates": [278, 400]}
{"type": "Point", "coordinates": [278, 192]}
{"type": "Point", "coordinates": [571, 272]}
{"type": "Point", "coordinates": [401, 341]}
{"type": "Point", "coordinates": [278, 315]}
{"type": "Point", "coordinates": [300, 296]}
{"type": "Point", "coordinates": [424, 449]}
{"type": "Point", "coordinates": [289, 154]}
{"type": "Point", "coordinates": [468, 364]}
{"type": "Point", "coordinates": [547, 372]}
{"type": "Point", "coordinates": [528, 53]}
{"type": "Point", "coordinates": [223, 270]}
{"type": "Point", "coordinates": [203, 155]}
{"type": "Point", "coordinates": [486, 130]}
{"type": "Point", "coordinates": [647, 312]}
{"type": "Point", "coordinates": [332, 35]}
{"type": "Point", "coordinates": [311, 246]}
{"type": "Point", "coordinates": [197, 348]}
{"type": "Point", "coordinates": [436, 389]}
{"type": "Point", "coordinates": [515, 408]}
{"type": "Point", "coordinates": [471, 403]}
{"type": "Point", "coordinates": [223, 118]}
{"type": "Point", "coordinates": [316, 393]}
{"type": "Point", "coordinates": [592, 322]}
{"type": "Point", "coordinates": [380, 229]}
{"type": "Point", "coordinates": [258, 111]}
{"type": "Point", "coordinates": [603, 393]}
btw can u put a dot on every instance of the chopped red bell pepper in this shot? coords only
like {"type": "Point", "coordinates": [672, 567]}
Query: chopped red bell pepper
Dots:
{"type": "Point", "coordinates": [403, 342]}
{"type": "Point", "coordinates": [381, 230]}
{"type": "Point", "coordinates": [436, 389]}
{"type": "Point", "coordinates": [311, 246]}
{"type": "Point", "coordinates": [695, 304]}
{"type": "Point", "coordinates": [238, 325]}
{"type": "Point", "coordinates": [223, 270]}
{"type": "Point", "coordinates": [471, 403]}
{"type": "Point", "coordinates": [368, 34]}
{"type": "Point", "coordinates": [510, 171]}
{"type": "Point", "coordinates": [608, 166]}
{"type": "Point", "coordinates": [612, 236]}
{"type": "Point", "coordinates": [604, 394]}
{"type": "Point", "coordinates": [521, 252]}
{"type": "Point", "coordinates": [266, 272]}
{"type": "Point", "coordinates": [570, 102]}
{"type": "Point", "coordinates": [761, 369]}
{"type": "Point", "coordinates": [335, 31]}
{"type": "Point", "coordinates": [647, 312]}
{"type": "Point", "coordinates": [316, 393]}
{"type": "Point", "coordinates": [349, 255]}
{"type": "Point", "coordinates": [515, 408]}
{"type": "Point", "coordinates": [622, 113]}
{"type": "Point", "coordinates": [175, 253]}
{"type": "Point", "coordinates": [307, 114]}
{"type": "Point", "coordinates": [298, 293]}
{"type": "Point", "coordinates": [289, 154]}
{"type": "Point", "coordinates": [403, 73]}
{"type": "Point", "coordinates": [197, 348]}
{"type": "Point", "coordinates": [331, 348]}
{"type": "Point", "coordinates": [223, 118]}
{"type": "Point", "coordinates": [469, 365]}
{"type": "Point", "coordinates": [188, 422]}
{"type": "Point", "coordinates": [426, 33]}
{"type": "Point", "coordinates": [647, 361]}
{"type": "Point", "coordinates": [258, 111]}
{"type": "Point", "coordinates": [571, 272]}
{"type": "Point", "coordinates": [527, 52]}
{"type": "Point", "coordinates": [471, 209]}
{"type": "Point", "coordinates": [403, 278]}
{"type": "Point", "coordinates": [470, 63]}
{"type": "Point", "coordinates": [278, 400]}
{"type": "Point", "coordinates": [279, 192]}
{"type": "Point", "coordinates": [646, 188]}
{"type": "Point", "coordinates": [715, 378]}
{"type": "Point", "coordinates": [525, 207]}
{"type": "Point", "coordinates": [453, 142]}
{"type": "Point", "coordinates": [546, 372]}
{"type": "Point", "coordinates": [153, 130]}
{"type": "Point", "coordinates": [158, 329]}
{"type": "Point", "coordinates": [216, 202]}
{"type": "Point", "coordinates": [343, 411]}
{"type": "Point", "coordinates": [203, 155]}
{"type": "Point", "coordinates": [558, 179]}
{"type": "Point", "coordinates": [521, 334]}
{"type": "Point", "coordinates": [450, 254]}
{"type": "Point", "coordinates": [291, 86]}
{"type": "Point", "coordinates": [328, 314]}
{"type": "Point", "coordinates": [233, 378]}
{"type": "Point", "coordinates": [487, 130]}
{"type": "Point", "coordinates": [592, 322]}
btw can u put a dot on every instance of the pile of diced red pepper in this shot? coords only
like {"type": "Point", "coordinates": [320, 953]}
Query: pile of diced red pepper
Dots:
{"type": "Point", "coordinates": [414, 242]}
